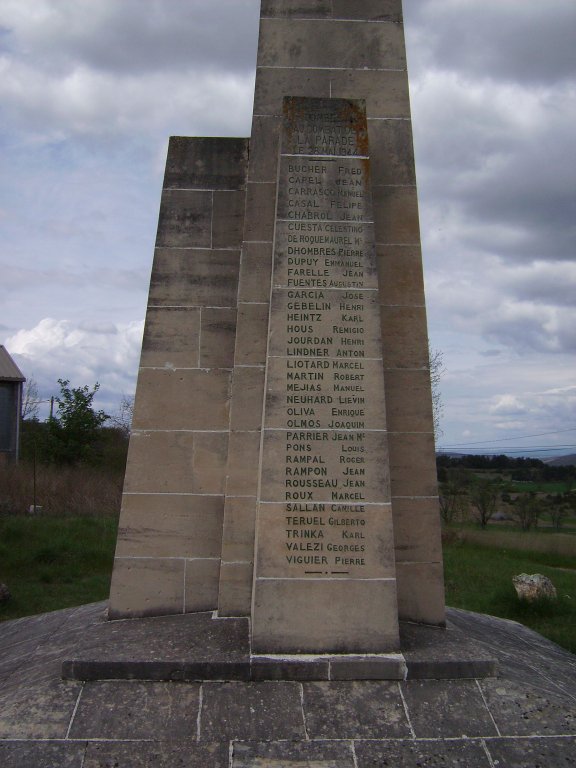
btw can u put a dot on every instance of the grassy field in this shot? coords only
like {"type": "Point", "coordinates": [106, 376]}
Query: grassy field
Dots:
{"type": "Point", "coordinates": [50, 563]}
{"type": "Point", "coordinates": [531, 486]}
{"type": "Point", "coordinates": [480, 579]}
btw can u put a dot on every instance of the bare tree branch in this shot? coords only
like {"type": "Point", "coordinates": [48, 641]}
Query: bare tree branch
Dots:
{"type": "Point", "coordinates": [30, 400]}
{"type": "Point", "coordinates": [122, 419]}
{"type": "Point", "coordinates": [437, 370]}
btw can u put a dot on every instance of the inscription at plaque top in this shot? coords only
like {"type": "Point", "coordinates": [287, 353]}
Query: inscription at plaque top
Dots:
{"type": "Point", "coordinates": [324, 538]}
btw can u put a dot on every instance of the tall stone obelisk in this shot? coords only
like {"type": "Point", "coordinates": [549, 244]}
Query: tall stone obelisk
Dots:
{"type": "Point", "coordinates": [281, 420]}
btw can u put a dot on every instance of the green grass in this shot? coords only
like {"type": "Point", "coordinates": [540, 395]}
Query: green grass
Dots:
{"type": "Point", "coordinates": [513, 486]}
{"type": "Point", "coordinates": [480, 579]}
{"type": "Point", "coordinates": [52, 563]}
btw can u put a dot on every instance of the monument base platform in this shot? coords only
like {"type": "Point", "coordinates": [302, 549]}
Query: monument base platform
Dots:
{"type": "Point", "coordinates": [203, 646]}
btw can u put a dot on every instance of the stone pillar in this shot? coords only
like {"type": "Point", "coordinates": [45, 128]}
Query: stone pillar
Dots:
{"type": "Point", "coordinates": [194, 482]}
{"type": "Point", "coordinates": [169, 539]}
{"type": "Point", "coordinates": [351, 50]}
{"type": "Point", "coordinates": [324, 577]}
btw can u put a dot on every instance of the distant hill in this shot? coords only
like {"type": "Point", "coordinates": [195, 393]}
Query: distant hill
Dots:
{"type": "Point", "coordinates": [562, 461]}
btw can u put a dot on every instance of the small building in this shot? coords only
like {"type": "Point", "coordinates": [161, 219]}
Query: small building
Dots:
{"type": "Point", "coordinates": [11, 386]}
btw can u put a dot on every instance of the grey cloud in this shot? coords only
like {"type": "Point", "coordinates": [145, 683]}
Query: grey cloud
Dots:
{"type": "Point", "coordinates": [492, 353]}
{"type": "Point", "coordinates": [523, 328]}
{"type": "Point", "coordinates": [136, 36]}
{"type": "Point", "coordinates": [102, 328]}
{"type": "Point", "coordinates": [551, 283]}
{"type": "Point", "coordinates": [512, 165]}
{"type": "Point", "coordinates": [491, 38]}
{"type": "Point", "coordinates": [533, 190]}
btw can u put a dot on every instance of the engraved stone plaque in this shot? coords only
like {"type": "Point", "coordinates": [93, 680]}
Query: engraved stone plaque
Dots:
{"type": "Point", "coordinates": [324, 514]}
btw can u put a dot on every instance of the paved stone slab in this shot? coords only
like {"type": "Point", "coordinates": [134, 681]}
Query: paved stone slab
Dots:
{"type": "Point", "coordinates": [135, 710]}
{"type": "Point", "coordinates": [174, 754]}
{"type": "Point", "coordinates": [420, 754]}
{"type": "Point", "coordinates": [24, 635]}
{"type": "Point", "coordinates": [22, 638]}
{"type": "Point", "coordinates": [523, 654]}
{"type": "Point", "coordinates": [362, 710]}
{"type": "Point", "coordinates": [533, 753]}
{"type": "Point", "coordinates": [317, 754]}
{"type": "Point", "coordinates": [521, 710]}
{"type": "Point", "coordinates": [193, 638]}
{"type": "Point", "coordinates": [447, 708]}
{"type": "Point", "coordinates": [251, 711]}
{"type": "Point", "coordinates": [41, 754]}
{"type": "Point", "coordinates": [33, 706]}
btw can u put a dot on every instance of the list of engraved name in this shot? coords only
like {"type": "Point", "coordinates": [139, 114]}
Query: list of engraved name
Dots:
{"type": "Point", "coordinates": [322, 297]}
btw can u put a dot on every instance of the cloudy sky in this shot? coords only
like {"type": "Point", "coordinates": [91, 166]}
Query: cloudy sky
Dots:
{"type": "Point", "coordinates": [90, 90]}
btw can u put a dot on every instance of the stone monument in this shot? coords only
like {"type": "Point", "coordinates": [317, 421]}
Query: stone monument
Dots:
{"type": "Point", "coordinates": [281, 463]}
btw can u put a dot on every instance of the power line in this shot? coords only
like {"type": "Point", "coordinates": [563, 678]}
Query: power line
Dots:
{"type": "Point", "coordinates": [533, 449]}
{"type": "Point", "coordinates": [506, 439]}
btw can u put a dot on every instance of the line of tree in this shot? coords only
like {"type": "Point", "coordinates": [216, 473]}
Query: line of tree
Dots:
{"type": "Point", "coordinates": [76, 433]}
{"type": "Point", "coordinates": [478, 487]}
{"type": "Point", "coordinates": [519, 468]}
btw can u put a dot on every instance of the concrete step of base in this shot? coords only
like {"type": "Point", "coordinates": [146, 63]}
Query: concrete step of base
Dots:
{"type": "Point", "coordinates": [197, 647]}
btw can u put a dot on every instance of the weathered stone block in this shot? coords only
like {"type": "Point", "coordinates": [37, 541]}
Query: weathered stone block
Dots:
{"type": "Point", "coordinates": [412, 471]}
{"type": "Point", "coordinates": [206, 163]}
{"type": "Point", "coordinates": [176, 462]}
{"type": "Point", "coordinates": [171, 337]}
{"type": "Point", "coordinates": [392, 149]}
{"type": "Point", "coordinates": [240, 521]}
{"type": "Point", "coordinates": [201, 585]}
{"type": "Point", "coordinates": [417, 530]}
{"type": "Point", "coordinates": [242, 470]}
{"type": "Point", "coordinates": [421, 592]}
{"type": "Point", "coordinates": [400, 274]}
{"type": "Point", "coordinates": [247, 404]}
{"type": "Point", "coordinates": [228, 219]}
{"type": "Point", "coordinates": [408, 401]}
{"type": "Point", "coordinates": [218, 337]}
{"type": "Point", "coordinates": [170, 525]}
{"type": "Point", "coordinates": [372, 10]}
{"type": "Point", "coordinates": [146, 587]}
{"type": "Point", "coordinates": [291, 42]}
{"type": "Point", "coordinates": [235, 593]}
{"type": "Point", "coordinates": [299, 9]}
{"type": "Point", "coordinates": [266, 135]}
{"type": "Point", "coordinates": [396, 215]}
{"type": "Point", "coordinates": [273, 84]}
{"type": "Point", "coordinates": [385, 91]}
{"type": "Point", "coordinates": [299, 616]}
{"type": "Point", "coordinates": [182, 399]}
{"type": "Point", "coordinates": [404, 337]}
{"type": "Point", "coordinates": [185, 219]}
{"type": "Point", "coordinates": [251, 333]}
{"type": "Point", "coordinates": [260, 204]}
{"type": "Point", "coordinates": [194, 277]}
{"type": "Point", "coordinates": [255, 273]}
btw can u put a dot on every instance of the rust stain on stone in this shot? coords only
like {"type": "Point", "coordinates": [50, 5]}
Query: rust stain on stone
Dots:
{"type": "Point", "coordinates": [353, 113]}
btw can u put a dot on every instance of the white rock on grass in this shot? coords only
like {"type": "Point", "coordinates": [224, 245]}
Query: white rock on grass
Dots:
{"type": "Point", "coordinates": [534, 586]}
